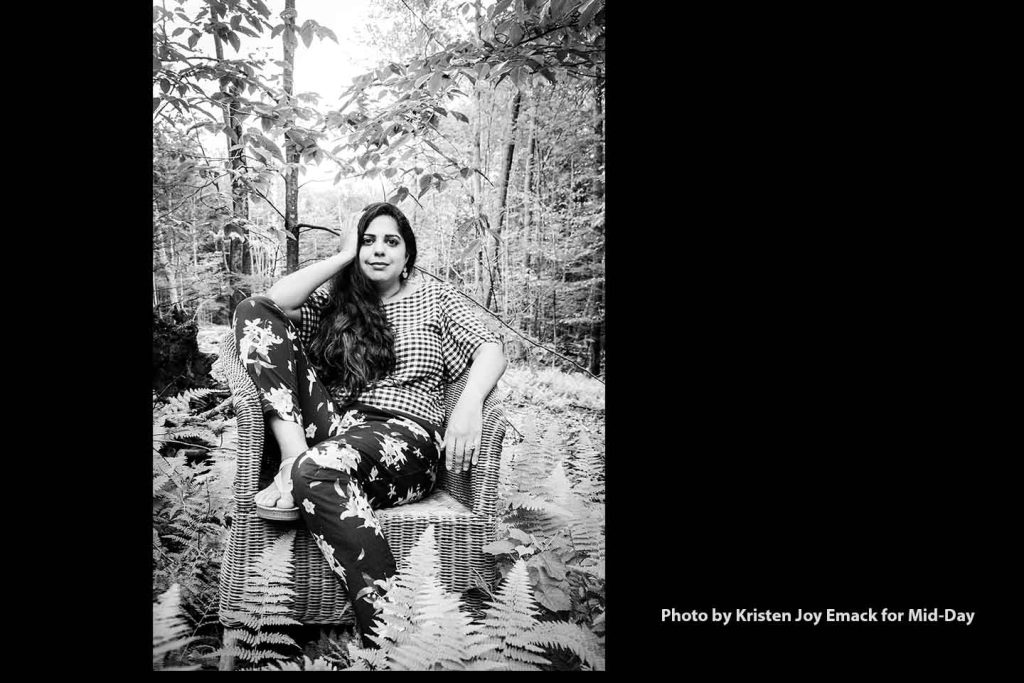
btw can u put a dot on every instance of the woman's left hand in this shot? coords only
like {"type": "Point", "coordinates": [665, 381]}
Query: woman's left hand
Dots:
{"type": "Point", "coordinates": [462, 438]}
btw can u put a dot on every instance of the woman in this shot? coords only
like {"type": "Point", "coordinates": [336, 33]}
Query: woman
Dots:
{"type": "Point", "coordinates": [351, 379]}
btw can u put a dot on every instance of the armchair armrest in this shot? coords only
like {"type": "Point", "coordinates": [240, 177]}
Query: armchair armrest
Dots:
{"type": "Point", "coordinates": [478, 488]}
{"type": "Point", "coordinates": [251, 426]}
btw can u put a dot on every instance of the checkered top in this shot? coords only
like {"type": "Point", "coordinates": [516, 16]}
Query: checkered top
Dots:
{"type": "Point", "coordinates": [436, 334]}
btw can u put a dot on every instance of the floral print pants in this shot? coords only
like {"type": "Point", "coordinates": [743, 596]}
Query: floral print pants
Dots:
{"type": "Point", "coordinates": [359, 459]}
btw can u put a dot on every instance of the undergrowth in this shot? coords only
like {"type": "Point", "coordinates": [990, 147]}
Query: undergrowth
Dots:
{"type": "Point", "coordinates": [192, 475]}
{"type": "Point", "coordinates": [421, 627]}
{"type": "Point", "coordinates": [548, 613]}
{"type": "Point", "coordinates": [551, 493]}
{"type": "Point", "coordinates": [552, 388]}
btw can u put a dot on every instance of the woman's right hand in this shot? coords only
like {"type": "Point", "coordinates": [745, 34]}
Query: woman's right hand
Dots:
{"type": "Point", "coordinates": [292, 291]}
{"type": "Point", "coordinates": [349, 236]}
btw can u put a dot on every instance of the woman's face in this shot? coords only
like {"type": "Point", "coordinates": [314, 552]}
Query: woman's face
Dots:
{"type": "Point", "coordinates": [382, 254]}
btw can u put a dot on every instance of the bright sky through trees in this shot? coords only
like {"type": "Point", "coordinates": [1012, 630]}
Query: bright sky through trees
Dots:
{"type": "Point", "coordinates": [325, 67]}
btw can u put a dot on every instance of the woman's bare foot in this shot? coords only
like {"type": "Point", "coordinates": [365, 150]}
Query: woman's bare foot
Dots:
{"type": "Point", "coordinates": [279, 493]}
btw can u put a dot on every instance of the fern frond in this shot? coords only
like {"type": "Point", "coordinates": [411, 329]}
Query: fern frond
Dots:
{"type": "Point", "coordinates": [178, 538]}
{"type": "Point", "coordinates": [247, 655]}
{"type": "Point", "coordinates": [534, 503]}
{"type": "Point", "coordinates": [203, 600]}
{"type": "Point", "coordinates": [180, 403]}
{"type": "Point", "coordinates": [546, 522]}
{"type": "Point", "coordinates": [591, 567]}
{"type": "Point", "coordinates": [259, 638]}
{"type": "Point", "coordinates": [588, 535]}
{"type": "Point", "coordinates": [265, 617]}
{"type": "Point", "coordinates": [558, 490]}
{"type": "Point", "coordinates": [440, 635]}
{"type": "Point", "coordinates": [530, 429]}
{"type": "Point", "coordinates": [572, 637]}
{"type": "Point", "coordinates": [195, 432]}
{"type": "Point", "coordinates": [265, 603]}
{"type": "Point", "coordinates": [169, 627]}
{"type": "Point", "coordinates": [365, 659]}
{"type": "Point", "coordinates": [588, 464]}
{"type": "Point", "coordinates": [536, 458]}
{"type": "Point", "coordinates": [218, 427]}
{"type": "Point", "coordinates": [320, 664]}
{"type": "Point", "coordinates": [420, 626]}
{"type": "Point", "coordinates": [289, 665]}
{"type": "Point", "coordinates": [510, 617]}
{"type": "Point", "coordinates": [160, 482]}
{"type": "Point", "coordinates": [492, 665]}
{"type": "Point", "coordinates": [553, 444]}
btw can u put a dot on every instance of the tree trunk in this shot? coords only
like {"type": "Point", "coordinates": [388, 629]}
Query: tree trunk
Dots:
{"type": "Point", "coordinates": [169, 270]}
{"type": "Point", "coordinates": [598, 194]}
{"type": "Point", "coordinates": [506, 173]}
{"type": "Point", "coordinates": [477, 277]}
{"type": "Point", "coordinates": [528, 196]}
{"type": "Point", "coordinates": [477, 198]}
{"type": "Point", "coordinates": [195, 237]}
{"type": "Point", "coordinates": [478, 121]}
{"type": "Point", "coordinates": [506, 268]}
{"type": "Point", "coordinates": [475, 184]}
{"type": "Point", "coordinates": [291, 177]}
{"type": "Point", "coordinates": [239, 258]}
{"type": "Point", "coordinates": [536, 316]}
{"type": "Point", "coordinates": [162, 241]}
{"type": "Point", "coordinates": [595, 331]}
{"type": "Point", "coordinates": [554, 315]}
{"type": "Point", "coordinates": [598, 185]}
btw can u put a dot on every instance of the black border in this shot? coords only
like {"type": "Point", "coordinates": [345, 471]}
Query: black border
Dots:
{"type": "Point", "coordinates": [798, 408]}
{"type": "Point", "coordinates": [80, 260]}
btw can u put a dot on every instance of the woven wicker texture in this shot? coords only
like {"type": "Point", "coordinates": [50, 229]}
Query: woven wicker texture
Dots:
{"type": "Point", "coordinates": [462, 510]}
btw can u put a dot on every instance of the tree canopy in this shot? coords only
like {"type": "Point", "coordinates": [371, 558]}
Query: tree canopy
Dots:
{"type": "Point", "coordinates": [482, 120]}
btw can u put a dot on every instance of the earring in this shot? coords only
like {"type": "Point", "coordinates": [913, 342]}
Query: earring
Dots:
{"type": "Point", "coordinates": [405, 273]}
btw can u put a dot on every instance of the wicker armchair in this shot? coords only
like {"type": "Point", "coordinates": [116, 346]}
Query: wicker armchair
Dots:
{"type": "Point", "coordinates": [461, 508]}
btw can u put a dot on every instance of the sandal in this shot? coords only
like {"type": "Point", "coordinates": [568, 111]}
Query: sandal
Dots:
{"type": "Point", "coordinates": [275, 513]}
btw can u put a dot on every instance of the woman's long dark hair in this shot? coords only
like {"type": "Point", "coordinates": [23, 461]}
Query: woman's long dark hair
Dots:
{"type": "Point", "coordinates": [355, 344]}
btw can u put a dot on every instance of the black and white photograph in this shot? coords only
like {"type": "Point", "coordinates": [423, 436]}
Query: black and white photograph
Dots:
{"type": "Point", "coordinates": [378, 320]}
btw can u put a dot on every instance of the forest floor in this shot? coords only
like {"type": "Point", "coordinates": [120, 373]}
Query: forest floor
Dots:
{"type": "Point", "coordinates": [552, 416]}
